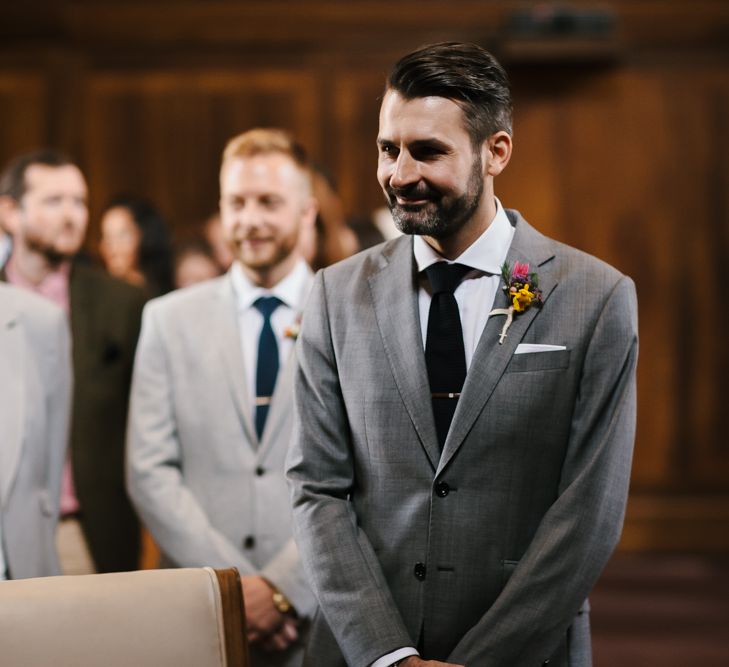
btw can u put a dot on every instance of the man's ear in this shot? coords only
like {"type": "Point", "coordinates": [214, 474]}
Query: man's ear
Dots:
{"type": "Point", "coordinates": [496, 153]}
{"type": "Point", "coordinates": [9, 214]}
{"type": "Point", "coordinates": [310, 211]}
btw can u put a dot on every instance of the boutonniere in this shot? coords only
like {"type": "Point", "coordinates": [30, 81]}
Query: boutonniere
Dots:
{"type": "Point", "coordinates": [294, 329]}
{"type": "Point", "coordinates": [522, 289]}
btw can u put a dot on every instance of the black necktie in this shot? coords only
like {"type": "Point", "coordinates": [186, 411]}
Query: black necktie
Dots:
{"type": "Point", "coordinates": [445, 356]}
{"type": "Point", "coordinates": [267, 366]}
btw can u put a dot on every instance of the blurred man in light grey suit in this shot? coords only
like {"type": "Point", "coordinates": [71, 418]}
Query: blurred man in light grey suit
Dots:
{"type": "Point", "coordinates": [211, 414]}
{"type": "Point", "coordinates": [462, 455]}
{"type": "Point", "coordinates": [35, 403]}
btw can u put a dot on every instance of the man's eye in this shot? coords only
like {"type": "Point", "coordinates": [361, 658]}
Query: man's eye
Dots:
{"type": "Point", "coordinates": [427, 153]}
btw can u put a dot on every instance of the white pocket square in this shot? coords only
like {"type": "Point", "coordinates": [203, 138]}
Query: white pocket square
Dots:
{"type": "Point", "coordinates": [528, 348]}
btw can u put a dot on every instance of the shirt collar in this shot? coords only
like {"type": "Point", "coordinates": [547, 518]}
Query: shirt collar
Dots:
{"type": "Point", "coordinates": [487, 253]}
{"type": "Point", "coordinates": [291, 289]}
{"type": "Point", "coordinates": [54, 286]}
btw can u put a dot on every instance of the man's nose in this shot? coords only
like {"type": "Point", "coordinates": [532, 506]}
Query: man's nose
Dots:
{"type": "Point", "coordinates": [249, 215]}
{"type": "Point", "coordinates": [405, 172]}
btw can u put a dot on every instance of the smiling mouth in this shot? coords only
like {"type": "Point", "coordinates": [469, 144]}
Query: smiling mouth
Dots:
{"type": "Point", "coordinates": [255, 241]}
{"type": "Point", "coordinates": [403, 201]}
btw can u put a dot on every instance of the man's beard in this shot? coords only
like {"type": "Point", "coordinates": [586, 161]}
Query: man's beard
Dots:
{"type": "Point", "coordinates": [438, 218]}
{"type": "Point", "coordinates": [50, 253]}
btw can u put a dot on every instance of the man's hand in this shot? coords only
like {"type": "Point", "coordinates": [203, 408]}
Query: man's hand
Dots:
{"type": "Point", "coordinates": [266, 624]}
{"type": "Point", "coordinates": [283, 638]}
{"type": "Point", "coordinates": [415, 661]}
{"type": "Point", "coordinates": [262, 617]}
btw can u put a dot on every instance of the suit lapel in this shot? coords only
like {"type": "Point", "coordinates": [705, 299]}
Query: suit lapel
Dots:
{"type": "Point", "coordinates": [227, 340]}
{"type": "Point", "coordinates": [12, 399]}
{"type": "Point", "coordinates": [490, 358]}
{"type": "Point", "coordinates": [395, 301]}
{"type": "Point", "coordinates": [282, 399]}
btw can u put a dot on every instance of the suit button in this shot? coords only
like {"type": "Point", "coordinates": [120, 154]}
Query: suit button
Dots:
{"type": "Point", "coordinates": [249, 542]}
{"type": "Point", "coordinates": [545, 663]}
{"type": "Point", "coordinates": [442, 489]}
{"type": "Point", "coordinates": [260, 471]}
{"type": "Point", "coordinates": [419, 571]}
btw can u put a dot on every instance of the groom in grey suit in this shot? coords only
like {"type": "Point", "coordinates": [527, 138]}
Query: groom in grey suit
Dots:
{"type": "Point", "coordinates": [35, 405]}
{"type": "Point", "coordinates": [211, 416]}
{"type": "Point", "coordinates": [463, 446]}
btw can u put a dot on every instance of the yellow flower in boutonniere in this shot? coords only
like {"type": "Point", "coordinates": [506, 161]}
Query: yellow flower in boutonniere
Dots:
{"type": "Point", "coordinates": [522, 289]}
{"type": "Point", "coordinates": [521, 298]}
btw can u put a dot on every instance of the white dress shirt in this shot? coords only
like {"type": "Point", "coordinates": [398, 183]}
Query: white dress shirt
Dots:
{"type": "Point", "coordinates": [476, 293]}
{"type": "Point", "coordinates": [293, 291]}
{"type": "Point", "coordinates": [475, 298]}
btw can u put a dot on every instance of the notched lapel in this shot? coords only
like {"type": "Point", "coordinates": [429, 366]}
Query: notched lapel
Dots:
{"type": "Point", "coordinates": [490, 358]}
{"type": "Point", "coordinates": [395, 301]}
{"type": "Point", "coordinates": [281, 406]}
{"type": "Point", "coordinates": [229, 346]}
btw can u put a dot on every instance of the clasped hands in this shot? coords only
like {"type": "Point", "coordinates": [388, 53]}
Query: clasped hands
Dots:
{"type": "Point", "coordinates": [266, 625]}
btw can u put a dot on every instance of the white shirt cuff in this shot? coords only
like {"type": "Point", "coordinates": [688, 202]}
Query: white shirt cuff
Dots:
{"type": "Point", "coordinates": [400, 654]}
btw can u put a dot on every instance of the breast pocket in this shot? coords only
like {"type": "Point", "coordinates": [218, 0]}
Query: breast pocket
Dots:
{"type": "Point", "coordinates": [539, 361]}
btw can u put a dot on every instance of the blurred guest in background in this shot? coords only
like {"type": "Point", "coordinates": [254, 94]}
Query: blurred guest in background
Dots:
{"type": "Point", "coordinates": [43, 197]}
{"type": "Point", "coordinates": [211, 409]}
{"type": "Point", "coordinates": [331, 240]}
{"type": "Point", "coordinates": [214, 235]}
{"type": "Point", "coordinates": [35, 402]}
{"type": "Point", "coordinates": [135, 244]}
{"type": "Point", "coordinates": [195, 262]}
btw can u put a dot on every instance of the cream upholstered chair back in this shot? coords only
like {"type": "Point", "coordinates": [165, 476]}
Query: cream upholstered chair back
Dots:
{"type": "Point", "coordinates": [152, 618]}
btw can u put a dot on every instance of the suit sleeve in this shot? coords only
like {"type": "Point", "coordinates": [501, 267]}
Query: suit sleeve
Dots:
{"type": "Point", "coordinates": [341, 564]}
{"type": "Point", "coordinates": [60, 381]}
{"type": "Point", "coordinates": [581, 529]}
{"type": "Point", "coordinates": [154, 464]}
{"type": "Point", "coordinates": [285, 572]}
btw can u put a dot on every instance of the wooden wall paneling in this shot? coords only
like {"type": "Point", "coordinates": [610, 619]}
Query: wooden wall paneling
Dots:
{"type": "Point", "coordinates": [618, 162]}
{"type": "Point", "coordinates": [23, 113]}
{"type": "Point", "coordinates": [161, 133]}
{"type": "Point", "coordinates": [531, 181]}
{"type": "Point", "coordinates": [355, 123]}
{"type": "Point", "coordinates": [699, 107]}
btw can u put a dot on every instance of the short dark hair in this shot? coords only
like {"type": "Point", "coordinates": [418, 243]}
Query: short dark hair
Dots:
{"type": "Point", "coordinates": [468, 75]}
{"type": "Point", "coordinates": [12, 179]}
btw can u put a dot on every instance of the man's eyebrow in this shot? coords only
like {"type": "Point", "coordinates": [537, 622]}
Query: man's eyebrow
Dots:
{"type": "Point", "coordinates": [430, 143]}
{"type": "Point", "coordinates": [418, 143]}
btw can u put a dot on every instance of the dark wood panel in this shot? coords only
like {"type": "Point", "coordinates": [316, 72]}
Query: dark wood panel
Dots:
{"type": "Point", "coordinates": [23, 113]}
{"type": "Point", "coordinates": [334, 24]}
{"type": "Point", "coordinates": [161, 134]}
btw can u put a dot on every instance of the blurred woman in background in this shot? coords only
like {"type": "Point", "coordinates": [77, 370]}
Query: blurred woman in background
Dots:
{"type": "Point", "coordinates": [135, 244]}
{"type": "Point", "coordinates": [194, 262]}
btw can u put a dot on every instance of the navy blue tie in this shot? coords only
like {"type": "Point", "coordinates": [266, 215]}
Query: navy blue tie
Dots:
{"type": "Point", "coordinates": [267, 366]}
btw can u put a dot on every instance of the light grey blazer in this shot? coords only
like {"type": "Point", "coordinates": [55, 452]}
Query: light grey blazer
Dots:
{"type": "Point", "coordinates": [208, 491]}
{"type": "Point", "coordinates": [35, 403]}
{"type": "Point", "coordinates": [482, 555]}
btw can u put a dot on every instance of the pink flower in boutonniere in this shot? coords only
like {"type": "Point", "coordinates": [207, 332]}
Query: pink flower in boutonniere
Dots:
{"type": "Point", "coordinates": [294, 329]}
{"type": "Point", "coordinates": [522, 289]}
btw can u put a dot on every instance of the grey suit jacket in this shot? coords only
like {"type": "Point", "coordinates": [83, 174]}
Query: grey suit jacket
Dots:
{"type": "Point", "coordinates": [35, 403]}
{"type": "Point", "coordinates": [482, 555]}
{"type": "Point", "coordinates": [208, 491]}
